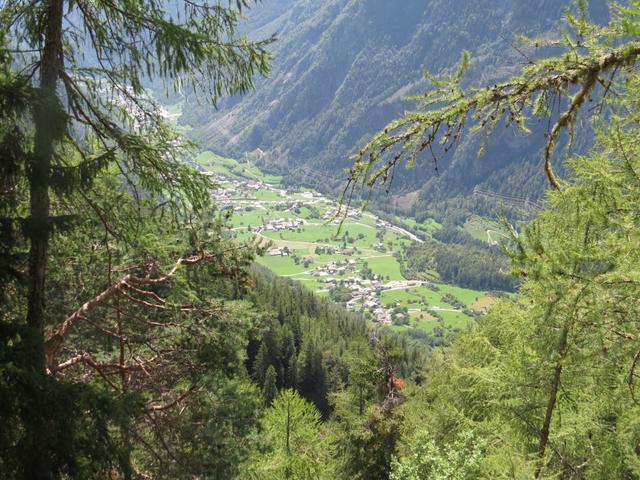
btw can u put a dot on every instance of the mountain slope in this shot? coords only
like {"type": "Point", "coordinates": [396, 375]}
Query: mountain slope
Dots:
{"type": "Point", "coordinates": [341, 70]}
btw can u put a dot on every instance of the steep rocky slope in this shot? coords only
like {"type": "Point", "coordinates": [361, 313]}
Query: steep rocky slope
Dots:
{"type": "Point", "coordinates": [341, 70]}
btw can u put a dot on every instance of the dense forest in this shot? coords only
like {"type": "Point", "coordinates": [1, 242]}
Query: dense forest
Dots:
{"type": "Point", "coordinates": [138, 338]}
{"type": "Point", "coordinates": [459, 259]}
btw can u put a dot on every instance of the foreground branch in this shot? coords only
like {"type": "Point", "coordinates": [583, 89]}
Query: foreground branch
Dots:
{"type": "Point", "coordinates": [449, 111]}
{"type": "Point", "coordinates": [55, 342]}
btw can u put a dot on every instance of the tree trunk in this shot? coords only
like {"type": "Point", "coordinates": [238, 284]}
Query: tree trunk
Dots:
{"type": "Point", "coordinates": [46, 118]}
{"type": "Point", "coordinates": [45, 114]}
{"type": "Point", "coordinates": [553, 395]}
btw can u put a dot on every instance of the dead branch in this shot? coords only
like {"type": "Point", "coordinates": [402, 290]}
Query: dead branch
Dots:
{"type": "Point", "coordinates": [174, 402]}
{"type": "Point", "coordinates": [88, 360]}
{"type": "Point", "coordinates": [54, 343]}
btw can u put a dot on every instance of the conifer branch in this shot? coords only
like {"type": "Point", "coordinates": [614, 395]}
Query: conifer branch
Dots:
{"type": "Point", "coordinates": [448, 112]}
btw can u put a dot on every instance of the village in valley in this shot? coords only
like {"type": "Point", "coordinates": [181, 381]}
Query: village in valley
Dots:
{"type": "Point", "coordinates": [345, 254]}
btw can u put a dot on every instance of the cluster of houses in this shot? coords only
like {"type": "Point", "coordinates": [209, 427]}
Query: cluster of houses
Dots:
{"type": "Point", "coordinates": [365, 295]}
{"type": "Point", "coordinates": [335, 268]}
{"type": "Point", "coordinates": [379, 247]}
{"type": "Point", "coordinates": [233, 189]}
{"type": "Point", "coordinates": [310, 195]}
{"type": "Point", "coordinates": [237, 194]}
{"type": "Point", "coordinates": [279, 252]}
{"type": "Point", "coordinates": [280, 224]}
{"type": "Point", "coordinates": [340, 213]}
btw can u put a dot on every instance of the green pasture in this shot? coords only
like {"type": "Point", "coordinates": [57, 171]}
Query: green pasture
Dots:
{"type": "Point", "coordinates": [281, 265]}
{"type": "Point", "coordinates": [411, 297]}
{"type": "Point", "coordinates": [465, 295]}
{"type": "Point", "coordinates": [385, 266]}
{"type": "Point", "coordinates": [456, 320]}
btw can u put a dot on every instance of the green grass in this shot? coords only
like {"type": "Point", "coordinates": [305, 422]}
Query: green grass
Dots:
{"type": "Point", "coordinates": [456, 320]}
{"type": "Point", "coordinates": [415, 294]}
{"type": "Point", "coordinates": [310, 282]}
{"type": "Point", "coordinates": [367, 220]}
{"type": "Point", "coordinates": [231, 167]}
{"type": "Point", "coordinates": [385, 266]}
{"type": "Point", "coordinates": [266, 195]}
{"type": "Point", "coordinates": [253, 218]}
{"type": "Point", "coordinates": [393, 237]}
{"type": "Point", "coordinates": [411, 297]}
{"type": "Point", "coordinates": [242, 235]}
{"type": "Point", "coordinates": [427, 325]}
{"type": "Point", "coordinates": [426, 227]}
{"type": "Point", "coordinates": [324, 258]}
{"type": "Point", "coordinates": [216, 163]}
{"type": "Point", "coordinates": [281, 265]}
{"type": "Point", "coordinates": [477, 227]}
{"type": "Point", "coordinates": [307, 233]}
{"type": "Point", "coordinates": [317, 231]}
{"type": "Point", "coordinates": [465, 295]}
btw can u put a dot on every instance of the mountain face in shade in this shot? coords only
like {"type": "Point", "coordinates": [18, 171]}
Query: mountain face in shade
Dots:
{"type": "Point", "coordinates": [341, 70]}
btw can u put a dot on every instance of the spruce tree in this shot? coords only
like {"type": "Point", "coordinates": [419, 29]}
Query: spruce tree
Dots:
{"type": "Point", "coordinates": [85, 125]}
{"type": "Point", "coordinates": [261, 364]}
{"type": "Point", "coordinates": [312, 376]}
{"type": "Point", "coordinates": [270, 390]}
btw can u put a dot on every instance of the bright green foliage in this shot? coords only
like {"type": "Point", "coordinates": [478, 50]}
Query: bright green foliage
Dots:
{"type": "Point", "coordinates": [545, 386]}
{"type": "Point", "coordinates": [547, 382]}
{"type": "Point", "coordinates": [295, 449]}
{"type": "Point", "coordinates": [366, 442]}
{"type": "Point", "coordinates": [427, 461]}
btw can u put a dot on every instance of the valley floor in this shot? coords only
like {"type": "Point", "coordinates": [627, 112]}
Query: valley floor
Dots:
{"type": "Point", "coordinates": [347, 256]}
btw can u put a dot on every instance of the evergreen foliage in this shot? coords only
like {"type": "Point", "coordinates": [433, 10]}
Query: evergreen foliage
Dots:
{"type": "Point", "coordinates": [164, 352]}
{"type": "Point", "coordinates": [269, 390]}
{"type": "Point", "coordinates": [100, 217]}
{"type": "Point", "coordinates": [459, 259]}
{"type": "Point", "coordinates": [545, 383]}
{"type": "Point", "coordinates": [294, 449]}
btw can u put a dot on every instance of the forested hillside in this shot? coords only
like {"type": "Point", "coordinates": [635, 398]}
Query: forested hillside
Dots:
{"type": "Point", "coordinates": [340, 72]}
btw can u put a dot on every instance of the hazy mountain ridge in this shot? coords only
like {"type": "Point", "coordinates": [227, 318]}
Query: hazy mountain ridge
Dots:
{"type": "Point", "coordinates": [341, 69]}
